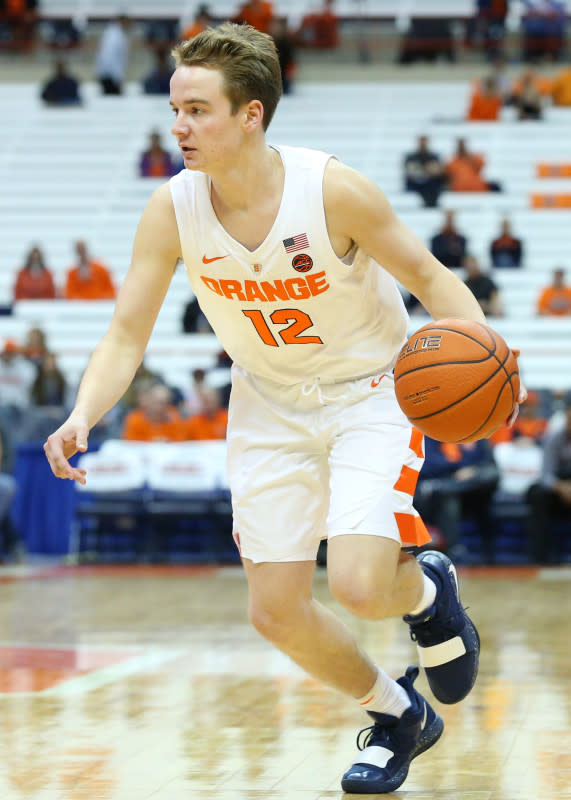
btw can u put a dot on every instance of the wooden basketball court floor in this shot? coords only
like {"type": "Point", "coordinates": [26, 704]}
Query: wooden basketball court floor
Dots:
{"type": "Point", "coordinates": [135, 683]}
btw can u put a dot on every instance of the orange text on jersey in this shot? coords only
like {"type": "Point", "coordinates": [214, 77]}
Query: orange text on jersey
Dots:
{"type": "Point", "coordinates": [269, 291]}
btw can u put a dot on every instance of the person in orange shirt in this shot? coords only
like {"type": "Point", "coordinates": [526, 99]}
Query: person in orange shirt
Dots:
{"type": "Point", "coordinates": [561, 88]}
{"type": "Point", "coordinates": [486, 102]}
{"type": "Point", "coordinates": [257, 13]}
{"type": "Point", "coordinates": [202, 20]}
{"type": "Point", "coordinates": [155, 419]}
{"type": "Point", "coordinates": [464, 169]}
{"type": "Point", "coordinates": [320, 29]}
{"type": "Point", "coordinates": [88, 280]}
{"type": "Point", "coordinates": [530, 423]}
{"type": "Point", "coordinates": [211, 422]}
{"type": "Point", "coordinates": [34, 280]}
{"type": "Point", "coordinates": [555, 299]}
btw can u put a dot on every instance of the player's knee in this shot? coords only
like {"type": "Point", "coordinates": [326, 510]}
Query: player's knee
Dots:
{"type": "Point", "coordinates": [275, 622]}
{"type": "Point", "coordinates": [360, 594]}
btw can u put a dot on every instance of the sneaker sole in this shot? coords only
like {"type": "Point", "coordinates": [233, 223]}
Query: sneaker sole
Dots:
{"type": "Point", "coordinates": [429, 736]}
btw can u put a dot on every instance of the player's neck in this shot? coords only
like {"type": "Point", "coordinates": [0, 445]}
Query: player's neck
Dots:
{"type": "Point", "coordinates": [257, 178]}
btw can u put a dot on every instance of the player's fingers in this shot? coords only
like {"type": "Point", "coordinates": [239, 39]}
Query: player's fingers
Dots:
{"type": "Point", "coordinates": [513, 416]}
{"type": "Point", "coordinates": [516, 351]}
{"type": "Point", "coordinates": [522, 396]}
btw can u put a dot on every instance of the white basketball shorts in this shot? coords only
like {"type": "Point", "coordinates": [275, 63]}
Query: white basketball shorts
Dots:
{"type": "Point", "coordinates": [315, 460]}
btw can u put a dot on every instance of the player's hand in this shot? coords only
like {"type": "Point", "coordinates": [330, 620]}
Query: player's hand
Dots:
{"type": "Point", "coordinates": [70, 438]}
{"type": "Point", "coordinates": [521, 398]}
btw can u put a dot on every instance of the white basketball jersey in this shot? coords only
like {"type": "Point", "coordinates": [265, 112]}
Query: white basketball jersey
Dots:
{"type": "Point", "coordinates": [291, 310]}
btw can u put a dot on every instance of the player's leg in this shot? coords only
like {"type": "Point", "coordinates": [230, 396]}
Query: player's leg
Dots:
{"type": "Point", "coordinates": [283, 610]}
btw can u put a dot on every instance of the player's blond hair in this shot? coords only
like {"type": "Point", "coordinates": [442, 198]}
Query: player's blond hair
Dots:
{"type": "Point", "coordinates": [247, 59]}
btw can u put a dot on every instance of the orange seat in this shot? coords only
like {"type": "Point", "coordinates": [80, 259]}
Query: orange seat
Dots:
{"type": "Point", "coordinates": [554, 170]}
{"type": "Point", "coordinates": [550, 200]}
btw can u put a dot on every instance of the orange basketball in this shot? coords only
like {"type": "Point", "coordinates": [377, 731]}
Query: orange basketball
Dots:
{"type": "Point", "coordinates": [456, 380]}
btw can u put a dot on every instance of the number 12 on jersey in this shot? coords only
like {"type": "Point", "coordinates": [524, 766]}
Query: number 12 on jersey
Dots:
{"type": "Point", "coordinates": [297, 322]}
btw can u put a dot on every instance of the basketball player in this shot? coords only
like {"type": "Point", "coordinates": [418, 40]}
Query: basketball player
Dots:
{"type": "Point", "coordinates": [293, 257]}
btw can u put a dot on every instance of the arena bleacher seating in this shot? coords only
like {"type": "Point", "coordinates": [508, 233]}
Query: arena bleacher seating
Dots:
{"type": "Point", "coordinates": [71, 173]}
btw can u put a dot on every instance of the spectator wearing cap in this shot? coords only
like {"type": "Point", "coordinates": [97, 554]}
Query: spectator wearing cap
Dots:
{"type": "Point", "coordinates": [34, 281]}
{"type": "Point", "coordinates": [555, 300]}
{"type": "Point", "coordinates": [506, 250]}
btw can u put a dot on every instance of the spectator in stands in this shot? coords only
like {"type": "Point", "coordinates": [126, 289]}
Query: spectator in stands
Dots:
{"type": "Point", "coordinates": [88, 279]}
{"type": "Point", "coordinates": [155, 419]}
{"type": "Point", "coordinates": [519, 463]}
{"type": "Point", "coordinates": [457, 481]}
{"type": "Point", "coordinates": [483, 288]}
{"type": "Point", "coordinates": [17, 375]}
{"type": "Point", "coordinates": [555, 299]}
{"type": "Point", "coordinates": [543, 25]}
{"type": "Point", "coordinates": [34, 281]}
{"type": "Point", "coordinates": [449, 245]}
{"type": "Point", "coordinates": [550, 498]}
{"type": "Point", "coordinates": [193, 402]}
{"type": "Point", "coordinates": [320, 29]}
{"type": "Point", "coordinates": [211, 422]}
{"type": "Point", "coordinates": [526, 97]}
{"type": "Point", "coordinates": [561, 88]}
{"type": "Point", "coordinates": [193, 320]}
{"type": "Point", "coordinates": [49, 387]}
{"type": "Point", "coordinates": [501, 77]}
{"type": "Point", "coordinates": [464, 171]}
{"type": "Point", "coordinates": [424, 173]}
{"type": "Point", "coordinates": [143, 378]}
{"type": "Point", "coordinates": [257, 13]}
{"type": "Point", "coordinates": [486, 102]}
{"type": "Point", "coordinates": [18, 20]}
{"type": "Point", "coordinates": [487, 29]}
{"type": "Point", "coordinates": [62, 89]}
{"type": "Point", "coordinates": [9, 538]}
{"type": "Point", "coordinates": [530, 423]}
{"type": "Point", "coordinates": [112, 55]}
{"type": "Point", "coordinates": [202, 19]}
{"type": "Point", "coordinates": [158, 80]}
{"type": "Point", "coordinates": [284, 42]}
{"type": "Point", "coordinates": [35, 347]}
{"type": "Point", "coordinates": [506, 250]}
{"type": "Point", "coordinates": [156, 162]}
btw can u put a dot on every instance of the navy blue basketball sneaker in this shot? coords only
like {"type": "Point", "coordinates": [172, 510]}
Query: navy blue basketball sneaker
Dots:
{"type": "Point", "coordinates": [447, 640]}
{"type": "Point", "coordinates": [391, 744]}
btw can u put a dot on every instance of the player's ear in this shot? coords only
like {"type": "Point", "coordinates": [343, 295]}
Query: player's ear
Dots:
{"type": "Point", "coordinates": [253, 115]}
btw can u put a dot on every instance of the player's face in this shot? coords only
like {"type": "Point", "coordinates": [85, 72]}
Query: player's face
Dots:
{"type": "Point", "coordinates": [208, 134]}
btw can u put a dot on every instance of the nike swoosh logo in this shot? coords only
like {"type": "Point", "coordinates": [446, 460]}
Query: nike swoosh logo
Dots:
{"type": "Point", "coordinates": [210, 260]}
{"type": "Point", "coordinates": [375, 382]}
{"type": "Point", "coordinates": [424, 718]}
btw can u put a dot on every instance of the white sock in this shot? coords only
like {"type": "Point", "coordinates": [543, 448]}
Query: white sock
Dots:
{"type": "Point", "coordinates": [428, 596]}
{"type": "Point", "coordinates": [386, 696]}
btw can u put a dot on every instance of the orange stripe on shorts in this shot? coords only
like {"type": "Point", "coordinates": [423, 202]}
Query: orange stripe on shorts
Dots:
{"type": "Point", "coordinates": [412, 529]}
{"type": "Point", "coordinates": [415, 444]}
{"type": "Point", "coordinates": [407, 480]}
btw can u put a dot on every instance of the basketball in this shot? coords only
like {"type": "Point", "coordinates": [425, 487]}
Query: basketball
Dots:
{"type": "Point", "coordinates": [456, 380]}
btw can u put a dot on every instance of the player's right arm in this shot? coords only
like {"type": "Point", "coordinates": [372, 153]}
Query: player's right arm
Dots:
{"type": "Point", "coordinates": [111, 368]}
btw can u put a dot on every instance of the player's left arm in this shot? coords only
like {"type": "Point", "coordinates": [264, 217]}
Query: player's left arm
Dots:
{"type": "Point", "coordinates": [357, 211]}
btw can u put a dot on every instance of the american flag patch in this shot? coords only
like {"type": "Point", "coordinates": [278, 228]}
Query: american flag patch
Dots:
{"type": "Point", "coordinates": [296, 243]}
